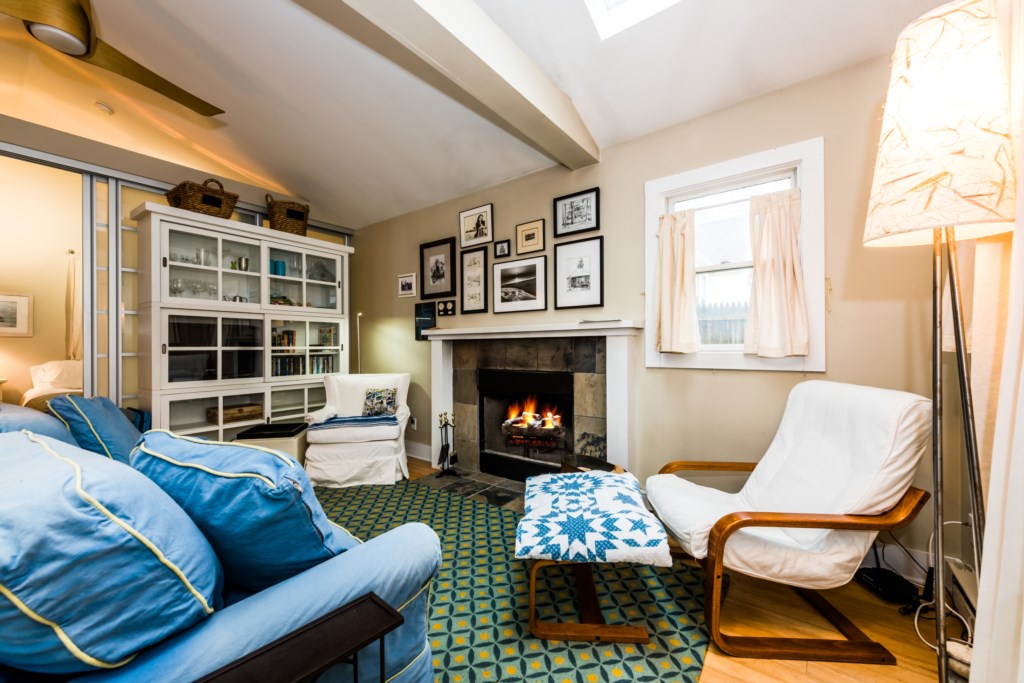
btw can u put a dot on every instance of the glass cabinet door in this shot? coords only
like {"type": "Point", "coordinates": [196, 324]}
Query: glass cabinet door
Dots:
{"type": "Point", "coordinates": [322, 276]}
{"type": "Point", "coordinates": [207, 348]}
{"type": "Point", "coordinates": [241, 348]}
{"type": "Point", "coordinates": [191, 271]}
{"type": "Point", "coordinates": [191, 348]}
{"type": "Point", "coordinates": [284, 279]}
{"type": "Point", "coordinates": [240, 271]}
{"type": "Point", "coordinates": [325, 347]}
{"type": "Point", "coordinates": [303, 279]}
{"type": "Point", "coordinates": [288, 347]}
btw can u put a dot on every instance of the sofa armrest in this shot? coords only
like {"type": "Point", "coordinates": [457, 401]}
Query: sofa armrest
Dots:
{"type": "Point", "coordinates": [402, 414]}
{"type": "Point", "coordinates": [398, 566]}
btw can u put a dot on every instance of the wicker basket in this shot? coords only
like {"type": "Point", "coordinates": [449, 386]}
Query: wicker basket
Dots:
{"type": "Point", "coordinates": [287, 216]}
{"type": "Point", "coordinates": [213, 201]}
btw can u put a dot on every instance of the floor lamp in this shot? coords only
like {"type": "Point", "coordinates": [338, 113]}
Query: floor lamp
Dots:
{"type": "Point", "coordinates": [944, 172]}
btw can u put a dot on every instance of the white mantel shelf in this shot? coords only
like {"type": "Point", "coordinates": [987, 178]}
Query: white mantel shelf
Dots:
{"type": "Point", "coordinates": [580, 328]}
{"type": "Point", "coordinates": [621, 338]}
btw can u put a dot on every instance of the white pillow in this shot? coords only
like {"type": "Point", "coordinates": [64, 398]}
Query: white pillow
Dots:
{"type": "Point", "coordinates": [58, 373]}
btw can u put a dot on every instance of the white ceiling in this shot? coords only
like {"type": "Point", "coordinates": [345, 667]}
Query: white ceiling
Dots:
{"type": "Point", "coordinates": [315, 113]}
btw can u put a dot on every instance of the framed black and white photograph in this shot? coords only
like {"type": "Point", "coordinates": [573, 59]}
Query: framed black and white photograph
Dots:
{"type": "Point", "coordinates": [530, 237]}
{"type": "Point", "coordinates": [425, 318]}
{"type": "Point", "coordinates": [437, 269]}
{"type": "Point", "coordinates": [521, 285]}
{"type": "Point", "coordinates": [406, 285]}
{"type": "Point", "coordinates": [502, 248]}
{"type": "Point", "coordinates": [578, 212]}
{"type": "Point", "coordinates": [15, 315]}
{"type": "Point", "coordinates": [474, 280]}
{"type": "Point", "coordinates": [476, 226]}
{"type": "Point", "coordinates": [579, 273]}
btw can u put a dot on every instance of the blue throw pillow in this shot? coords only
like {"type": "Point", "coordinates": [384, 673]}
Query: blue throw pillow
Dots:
{"type": "Point", "coordinates": [15, 418]}
{"type": "Point", "coordinates": [96, 562]}
{"type": "Point", "coordinates": [97, 425]}
{"type": "Point", "coordinates": [256, 506]}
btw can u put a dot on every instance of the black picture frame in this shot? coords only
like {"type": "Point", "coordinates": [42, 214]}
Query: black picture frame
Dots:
{"type": "Point", "coordinates": [476, 226]}
{"type": "Point", "coordinates": [473, 269]}
{"type": "Point", "coordinates": [520, 285]}
{"type": "Point", "coordinates": [437, 269]}
{"type": "Point", "coordinates": [577, 212]}
{"type": "Point", "coordinates": [578, 278]}
{"type": "Point", "coordinates": [425, 319]}
{"type": "Point", "coordinates": [502, 249]}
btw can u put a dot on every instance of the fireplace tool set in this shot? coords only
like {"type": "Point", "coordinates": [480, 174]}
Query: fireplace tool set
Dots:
{"type": "Point", "coordinates": [448, 456]}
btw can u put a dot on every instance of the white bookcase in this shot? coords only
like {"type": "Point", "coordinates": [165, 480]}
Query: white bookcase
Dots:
{"type": "Point", "coordinates": [237, 323]}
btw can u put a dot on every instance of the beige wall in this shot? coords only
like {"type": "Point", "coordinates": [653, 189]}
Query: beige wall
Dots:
{"type": "Point", "coordinates": [878, 322]}
{"type": "Point", "coordinates": [40, 219]}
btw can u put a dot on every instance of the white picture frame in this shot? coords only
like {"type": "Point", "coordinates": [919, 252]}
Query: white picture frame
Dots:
{"type": "Point", "coordinates": [406, 285]}
{"type": "Point", "coordinates": [15, 315]}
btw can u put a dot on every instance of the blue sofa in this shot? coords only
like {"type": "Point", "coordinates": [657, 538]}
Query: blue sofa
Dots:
{"type": "Point", "coordinates": [398, 566]}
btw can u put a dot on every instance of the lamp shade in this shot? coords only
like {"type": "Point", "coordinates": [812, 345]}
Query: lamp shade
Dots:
{"type": "Point", "coordinates": [945, 157]}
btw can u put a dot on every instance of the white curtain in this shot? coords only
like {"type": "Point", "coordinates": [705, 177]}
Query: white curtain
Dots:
{"type": "Point", "coordinates": [72, 311]}
{"type": "Point", "coordinates": [777, 319]}
{"type": "Point", "coordinates": [999, 629]}
{"type": "Point", "coordinates": [675, 287]}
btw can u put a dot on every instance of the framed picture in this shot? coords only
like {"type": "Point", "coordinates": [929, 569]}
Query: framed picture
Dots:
{"type": "Point", "coordinates": [530, 236]}
{"type": "Point", "coordinates": [437, 269]}
{"type": "Point", "coordinates": [521, 285]}
{"type": "Point", "coordinates": [502, 248]}
{"type": "Point", "coordinates": [577, 212]}
{"type": "Point", "coordinates": [476, 226]}
{"type": "Point", "coordinates": [15, 315]}
{"type": "Point", "coordinates": [406, 285]}
{"type": "Point", "coordinates": [426, 319]}
{"type": "Point", "coordinates": [474, 280]}
{"type": "Point", "coordinates": [579, 273]}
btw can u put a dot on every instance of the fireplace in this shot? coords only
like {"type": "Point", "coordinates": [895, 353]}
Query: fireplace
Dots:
{"type": "Point", "coordinates": [525, 421]}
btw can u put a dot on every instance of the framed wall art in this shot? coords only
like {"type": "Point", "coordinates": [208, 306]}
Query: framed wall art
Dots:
{"type": "Point", "coordinates": [437, 269]}
{"type": "Point", "coordinates": [578, 212]}
{"type": "Point", "coordinates": [476, 226]}
{"type": "Point", "coordinates": [474, 280]}
{"type": "Point", "coordinates": [579, 273]}
{"type": "Point", "coordinates": [521, 285]}
{"type": "Point", "coordinates": [530, 237]}
{"type": "Point", "coordinates": [15, 315]}
{"type": "Point", "coordinates": [502, 248]}
{"type": "Point", "coordinates": [425, 318]}
{"type": "Point", "coordinates": [406, 285]}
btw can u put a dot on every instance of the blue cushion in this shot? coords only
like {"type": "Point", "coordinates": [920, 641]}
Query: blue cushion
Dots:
{"type": "Point", "coordinates": [96, 562]}
{"type": "Point", "coordinates": [97, 425]}
{"type": "Point", "coordinates": [15, 418]}
{"type": "Point", "coordinates": [256, 506]}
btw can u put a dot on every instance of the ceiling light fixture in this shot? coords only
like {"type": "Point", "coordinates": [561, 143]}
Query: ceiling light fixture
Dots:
{"type": "Point", "coordinates": [57, 38]}
{"type": "Point", "coordinates": [104, 107]}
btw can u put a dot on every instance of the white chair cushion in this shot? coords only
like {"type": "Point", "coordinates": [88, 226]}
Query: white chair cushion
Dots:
{"type": "Point", "coordinates": [346, 393]}
{"type": "Point", "coordinates": [354, 434]}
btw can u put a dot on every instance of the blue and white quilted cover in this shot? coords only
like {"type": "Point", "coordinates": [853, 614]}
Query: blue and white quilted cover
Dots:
{"type": "Point", "coordinates": [589, 517]}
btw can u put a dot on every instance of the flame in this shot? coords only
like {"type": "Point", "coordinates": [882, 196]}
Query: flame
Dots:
{"type": "Point", "coordinates": [523, 412]}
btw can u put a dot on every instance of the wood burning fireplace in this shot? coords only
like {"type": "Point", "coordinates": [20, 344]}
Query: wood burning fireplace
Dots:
{"type": "Point", "coordinates": [525, 421]}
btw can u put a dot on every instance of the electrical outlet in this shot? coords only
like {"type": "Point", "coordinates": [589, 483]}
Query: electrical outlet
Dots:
{"type": "Point", "coordinates": [412, 423]}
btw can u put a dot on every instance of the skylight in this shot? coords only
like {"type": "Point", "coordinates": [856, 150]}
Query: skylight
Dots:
{"type": "Point", "coordinates": [614, 16]}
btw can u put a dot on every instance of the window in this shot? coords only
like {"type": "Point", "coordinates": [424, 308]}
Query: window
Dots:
{"type": "Point", "coordinates": [720, 197]}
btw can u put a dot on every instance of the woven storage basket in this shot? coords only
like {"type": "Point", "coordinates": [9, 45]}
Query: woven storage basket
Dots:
{"type": "Point", "coordinates": [213, 201]}
{"type": "Point", "coordinates": [287, 216]}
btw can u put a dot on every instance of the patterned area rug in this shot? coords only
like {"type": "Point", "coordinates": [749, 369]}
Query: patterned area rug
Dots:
{"type": "Point", "coordinates": [479, 601]}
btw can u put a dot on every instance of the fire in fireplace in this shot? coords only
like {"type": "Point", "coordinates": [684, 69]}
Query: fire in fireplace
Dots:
{"type": "Point", "coordinates": [525, 421]}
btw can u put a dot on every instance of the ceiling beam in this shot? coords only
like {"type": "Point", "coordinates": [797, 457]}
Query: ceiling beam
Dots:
{"type": "Point", "coordinates": [454, 46]}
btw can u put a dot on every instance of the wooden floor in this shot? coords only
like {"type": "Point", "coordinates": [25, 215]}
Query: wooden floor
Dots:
{"type": "Point", "coordinates": [757, 607]}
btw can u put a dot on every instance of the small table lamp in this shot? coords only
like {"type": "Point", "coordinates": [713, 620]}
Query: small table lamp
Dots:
{"type": "Point", "coordinates": [945, 171]}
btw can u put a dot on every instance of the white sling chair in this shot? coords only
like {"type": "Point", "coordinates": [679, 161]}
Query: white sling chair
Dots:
{"type": "Point", "coordinates": [354, 455]}
{"type": "Point", "coordinates": [837, 472]}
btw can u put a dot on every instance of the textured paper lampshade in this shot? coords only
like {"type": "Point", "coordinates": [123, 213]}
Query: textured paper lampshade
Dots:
{"type": "Point", "coordinates": [945, 157]}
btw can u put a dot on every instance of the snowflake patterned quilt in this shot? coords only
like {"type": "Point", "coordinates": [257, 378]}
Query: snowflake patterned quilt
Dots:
{"type": "Point", "coordinates": [589, 517]}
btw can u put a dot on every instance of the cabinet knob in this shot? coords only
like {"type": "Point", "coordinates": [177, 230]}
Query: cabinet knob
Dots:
{"type": "Point", "coordinates": [165, 261]}
{"type": "Point", "coordinates": [163, 348]}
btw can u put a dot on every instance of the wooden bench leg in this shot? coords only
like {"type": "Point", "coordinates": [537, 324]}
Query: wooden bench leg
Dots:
{"type": "Point", "coordinates": [592, 626]}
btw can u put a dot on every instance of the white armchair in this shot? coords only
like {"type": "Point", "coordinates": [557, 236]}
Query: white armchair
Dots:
{"type": "Point", "coordinates": [838, 471]}
{"type": "Point", "coordinates": [354, 455]}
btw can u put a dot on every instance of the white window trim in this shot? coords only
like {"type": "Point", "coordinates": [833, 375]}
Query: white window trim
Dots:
{"type": "Point", "coordinates": [809, 159]}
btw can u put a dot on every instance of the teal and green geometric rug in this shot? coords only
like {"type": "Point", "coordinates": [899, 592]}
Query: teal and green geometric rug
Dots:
{"type": "Point", "coordinates": [479, 601]}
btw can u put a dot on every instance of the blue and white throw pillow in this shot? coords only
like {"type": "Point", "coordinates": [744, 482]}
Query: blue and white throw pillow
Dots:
{"type": "Point", "coordinates": [589, 517]}
{"type": "Point", "coordinates": [380, 402]}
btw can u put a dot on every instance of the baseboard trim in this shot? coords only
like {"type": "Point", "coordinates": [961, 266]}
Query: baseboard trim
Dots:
{"type": "Point", "coordinates": [420, 451]}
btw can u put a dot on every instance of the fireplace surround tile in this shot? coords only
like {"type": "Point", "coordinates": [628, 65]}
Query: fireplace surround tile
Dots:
{"type": "Point", "coordinates": [465, 355]}
{"type": "Point", "coordinates": [584, 354]}
{"type": "Point", "coordinates": [464, 390]}
{"type": "Point", "coordinates": [521, 354]}
{"type": "Point", "coordinates": [589, 394]}
{"type": "Point", "coordinates": [555, 355]}
{"type": "Point", "coordinates": [492, 354]}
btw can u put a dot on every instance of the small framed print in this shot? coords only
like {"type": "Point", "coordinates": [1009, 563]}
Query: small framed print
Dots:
{"type": "Point", "coordinates": [474, 280]}
{"type": "Point", "coordinates": [437, 269]}
{"type": "Point", "coordinates": [502, 248]}
{"type": "Point", "coordinates": [578, 212]}
{"type": "Point", "coordinates": [406, 285]}
{"type": "Point", "coordinates": [521, 285]}
{"type": "Point", "coordinates": [15, 315]}
{"type": "Point", "coordinates": [579, 273]}
{"type": "Point", "coordinates": [530, 236]}
{"type": "Point", "coordinates": [476, 226]}
{"type": "Point", "coordinates": [445, 308]}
